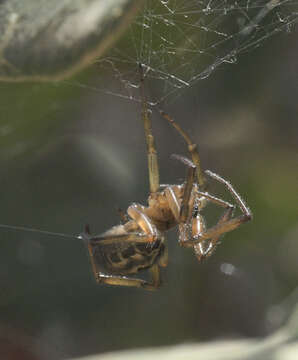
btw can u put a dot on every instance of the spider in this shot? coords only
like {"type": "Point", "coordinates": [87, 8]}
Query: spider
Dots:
{"type": "Point", "coordinates": [139, 242]}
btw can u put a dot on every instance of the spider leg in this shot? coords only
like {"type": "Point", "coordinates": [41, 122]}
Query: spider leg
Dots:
{"type": "Point", "coordinates": [151, 148]}
{"type": "Point", "coordinates": [192, 148]}
{"type": "Point", "coordinates": [176, 210]}
{"type": "Point", "coordinates": [184, 226]}
{"type": "Point", "coordinates": [185, 206]}
{"type": "Point", "coordinates": [203, 249]}
{"type": "Point", "coordinates": [156, 278]}
{"type": "Point", "coordinates": [136, 212]}
{"type": "Point", "coordinates": [246, 211]}
{"type": "Point", "coordinates": [164, 257]}
{"type": "Point", "coordinates": [102, 278]}
{"type": "Point", "coordinates": [187, 202]}
{"type": "Point", "coordinates": [182, 212]}
{"type": "Point", "coordinates": [215, 200]}
{"type": "Point", "coordinates": [223, 227]}
{"type": "Point", "coordinates": [173, 202]}
{"type": "Point", "coordinates": [226, 224]}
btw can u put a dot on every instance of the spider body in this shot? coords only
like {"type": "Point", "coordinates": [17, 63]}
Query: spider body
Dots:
{"type": "Point", "coordinates": [124, 258]}
{"type": "Point", "coordinates": [124, 255]}
{"type": "Point", "coordinates": [139, 243]}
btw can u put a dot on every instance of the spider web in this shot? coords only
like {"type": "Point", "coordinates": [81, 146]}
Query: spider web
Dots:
{"type": "Point", "coordinates": [180, 42]}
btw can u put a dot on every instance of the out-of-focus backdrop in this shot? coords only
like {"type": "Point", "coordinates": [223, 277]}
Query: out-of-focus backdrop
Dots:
{"type": "Point", "coordinates": [72, 154]}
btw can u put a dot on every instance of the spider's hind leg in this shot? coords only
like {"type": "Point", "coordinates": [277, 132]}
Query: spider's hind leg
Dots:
{"type": "Point", "coordinates": [132, 282]}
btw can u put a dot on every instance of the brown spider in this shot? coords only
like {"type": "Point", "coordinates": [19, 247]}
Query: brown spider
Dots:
{"type": "Point", "coordinates": [139, 243]}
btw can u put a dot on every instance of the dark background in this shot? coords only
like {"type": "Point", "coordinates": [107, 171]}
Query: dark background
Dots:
{"type": "Point", "coordinates": [72, 155]}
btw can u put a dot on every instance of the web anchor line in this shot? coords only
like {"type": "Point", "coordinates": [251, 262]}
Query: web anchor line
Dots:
{"type": "Point", "coordinates": [38, 231]}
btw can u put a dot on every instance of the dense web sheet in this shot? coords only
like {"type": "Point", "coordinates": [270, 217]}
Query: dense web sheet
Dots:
{"type": "Point", "coordinates": [180, 42]}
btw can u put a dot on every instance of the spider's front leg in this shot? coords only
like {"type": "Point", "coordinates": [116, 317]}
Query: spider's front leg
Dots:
{"type": "Point", "coordinates": [227, 224]}
{"type": "Point", "coordinates": [192, 228]}
{"type": "Point", "coordinates": [190, 232]}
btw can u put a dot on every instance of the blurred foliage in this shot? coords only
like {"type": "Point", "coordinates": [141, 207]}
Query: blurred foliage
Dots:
{"type": "Point", "coordinates": [43, 40]}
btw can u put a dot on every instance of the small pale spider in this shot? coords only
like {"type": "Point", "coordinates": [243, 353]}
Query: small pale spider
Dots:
{"type": "Point", "coordinates": [139, 243]}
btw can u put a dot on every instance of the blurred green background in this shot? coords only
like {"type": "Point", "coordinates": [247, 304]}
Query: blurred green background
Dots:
{"type": "Point", "coordinates": [71, 155]}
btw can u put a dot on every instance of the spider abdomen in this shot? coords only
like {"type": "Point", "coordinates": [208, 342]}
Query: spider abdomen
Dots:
{"type": "Point", "coordinates": [122, 258]}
